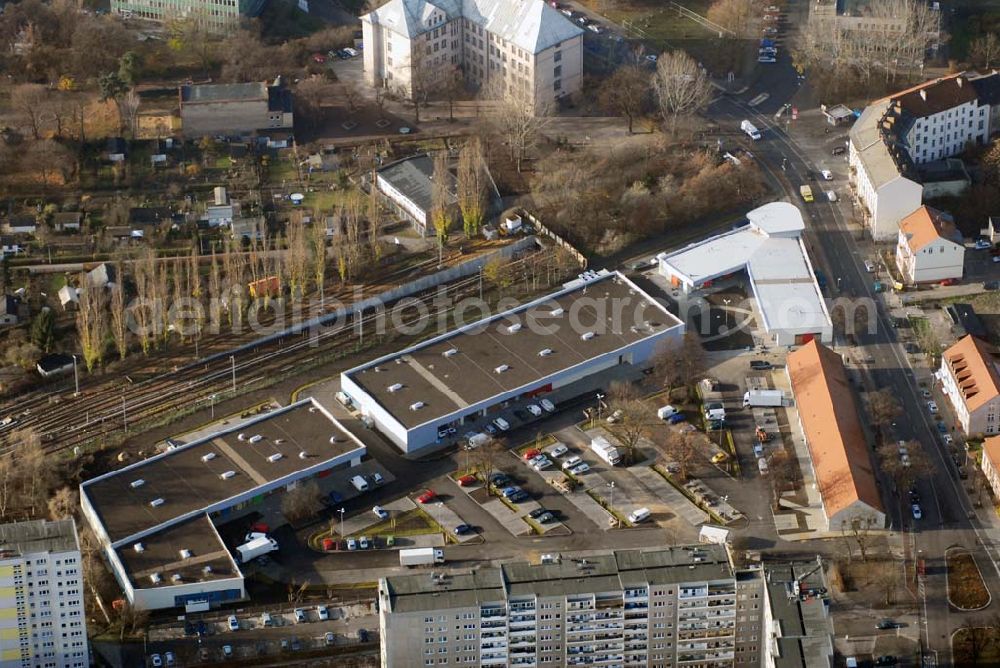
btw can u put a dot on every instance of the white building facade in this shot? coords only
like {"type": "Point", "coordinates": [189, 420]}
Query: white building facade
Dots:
{"type": "Point", "coordinates": [927, 250]}
{"type": "Point", "coordinates": [970, 378]}
{"type": "Point", "coordinates": [43, 624]}
{"type": "Point", "coordinates": [526, 50]}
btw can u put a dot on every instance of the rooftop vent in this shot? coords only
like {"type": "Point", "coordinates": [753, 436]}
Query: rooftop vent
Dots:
{"type": "Point", "coordinates": [176, 577]}
{"type": "Point", "coordinates": [545, 352]}
{"type": "Point", "coordinates": [138, 483]}
{"type": "Point", "coordinates": [154, 578]}
{"type": "Point", "coordinates": [450, 352]}
{"type": "Point", "coordinates": [275, 457]}
{"type": "Point", "coordinates": [139, 548]}
{"type": "Point", "coordinates": [557, 311]}
{"type": "Point", "coordinates": [417, 405]}
{"type": "Point", "coordinates": [587, 336]}
{"type": "Point", "coordinates": [501, 368]}
{"type": "Point", "coordinates": [156, 502]}
{"type": "Point", "coordinates": [395, 387]}
{"type": "Point", "coordinates": [207, 570]}
{"type": "Point", "coordinates": [513, 328]}
{"type": "Point", "coordinates": [256, 438]}
{"type": "Point", "coordinates": [303, 455]}
{"type": "Point", "coordinates": [208, 456]}
{"type": "Point", "coordinates": [334, 439]}
{"type": "Point", "coordinates": [312, 409]}
{"type": "Point", "coordinates": [241, 437]}
{"type": "Point", "coordinates": [227, 475]}
{"type": "Point", "coordinates": [185, 553]}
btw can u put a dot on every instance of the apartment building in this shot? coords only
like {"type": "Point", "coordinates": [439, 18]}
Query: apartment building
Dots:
{"type": "Point", "coordinates": [897, 138]}
{"type": "Point", "coordinates": [991, 463]}
{"type": "Point", "coordinates": [524, 49]}
{"type": "Point", "coordinates": [41, 594]}
{"type": "Point", "coordinates": [217, 16]}
{"type": "Point", "coordinates": [799, 629]}
{"type": "Point", "coordinates": [929, 248]}
{"type": "Point", "coordinates": [668, 607]}
{"type": "Point", "coordinates": [970, 378]}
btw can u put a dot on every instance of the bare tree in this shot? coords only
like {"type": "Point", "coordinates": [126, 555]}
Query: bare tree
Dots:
{"type": "Point", "coordinates": [782, 469]}
{"type": "Point", "coordinates": [884, 408]}
{"type": "Point", "coordinates": [860, 529]}
{"type": "Point", "coordinates": [63, 503]}
{"type": "Point", "coordinates": [471, 186]}
{"type": "Point", "coordinates": [8, 471]}
{"type": "Point", "coordinates": [907, 466]}
{"type": "Point", "coordinates": [423, 76]}
{"type": "Point", "coordinates": [985, 50]}
{"type": "Point", "coordinates": [738, 16]}
{"type": "Point", "coordinates": [486, 461]}
{"type": "Point", "coordinates": [440, 212]}
{"type": "Point", "coordinates": [681, 449]}
{"type": "Point", "coordinates": [29, 101]}
{"type": "Point", "coordinates": [91, 324]}
{"type": "Point", "coordinates": [119, 313]}
{"type": "Point", "coordinates": [301, 502]}
{"type": "Point", "coordinates": [681, 86]}
{"type": "Point", "coordinates": [376, 220]}
{"type": "Point", "coordinates": [625, 93]}
{"type": "Point", "coordinates": [518, 121]}
{"type": "Point", "coordinates": [144, 310]}
{"type": "Point", "coordinates": [635, 421]}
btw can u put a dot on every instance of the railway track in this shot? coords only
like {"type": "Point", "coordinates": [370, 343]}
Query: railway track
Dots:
{"type": "Point", "coordinates": [120, 406]}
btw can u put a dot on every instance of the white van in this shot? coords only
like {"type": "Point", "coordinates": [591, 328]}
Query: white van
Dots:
{"type": "Point", "coordinates": [762, 465]}
{"type": "Point", "coordinates": [665, 412]}
{"type": "Point", "coordinates": [476, 440]}
{"type": "Point", "coordinates": [343, 399]}
{"type": "Point", "coordinates": [359, 483]}
{"type": "Point", "coordinates": [639, 515]}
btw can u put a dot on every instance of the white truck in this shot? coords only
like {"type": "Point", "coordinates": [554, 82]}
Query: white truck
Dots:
{"type": "Point", "coordinates": [750, 129]}
{"type": "Point", "coordinates": [603, 449]}
{"type": "Point", "coordinates": [763, 398]}
{"type": "Point", "coordinates": [359, 483]}
{"type": "Point", "coordinates": [257, 547]}
{"type": "Point", "coordinates": [421, 556]}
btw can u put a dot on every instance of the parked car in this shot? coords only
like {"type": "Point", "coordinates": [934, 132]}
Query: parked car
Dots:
{"type": "Point", "coordinates": [534, 409]}
{"type": "Point", "coordinates": [677, 418]}
{"type": "Point", "coordinates": [362, 635]}
{"type": "Point", "coordinates": [580, 468]}
{"type": "Point", "coordinates": [719, 457]}
{"type": "Point", "coordinates": [234, 624]}
{"type": "Point", "coordinates": [377, 478]}
{"type": "Point", "coordinates": [826, 174]}
{"type": "Point", "coordinates": [886, 624]}
{"type": "Point", "coordinates": [530, 454]}
{"type": "Point", "coordinates": [518, 497]}
{"type": "Point", "coordinates": [170, 658]}
{"type": "Point", "coordinates": [467, 481]}
{"type": "Point", "coordinates": [886, 660]}
{"type": "Point", "coordinates": [760, 365]}
{"type": "Point", "coordinates": [615, 417]}
{"type": "Point", "coordinates": [352, 544]}
{"type": "Point", "coordinates": [491, 430]}
{"type": "Point", "coordinates": [932, 406]}
{"type": "Point", "coordinates": [508, 492]}
{"type": "Point", "coordinates": [571, 462]}
{"type": "Point", "coordinates": [363, 543]}
{"type": "Point", "coordinates": [300, 616]}
{"type": "Point", "coordinates": [548, 405]}
{"type": "Point", "coordinates": [227, 651]}
{"type": "Point", "coordinates": [499, 479]}
{"type": "Point", "coordinates": [155, 660]}
{"type": "Point", "coordinates": [917, 514]}
{"type": "Point", "coordinates": [322, 613]}
{"type": "Point", "coordinates": [839, 150]}
{"type": "Point", "coordinates": [982, 244]}
{"type": "Point", "coordinates": [558, 450]}
{"type": "Point", "coordinates": [427, 497]}
{"type": "Point", "coordinates": [462, 529]}
{"type": "Point", "coordinates": [542, 464]}
{"type": "Point", "coordinates": [381, 512]}
{"type": "Point", "coordinates": [501, 424]}
{"type": "Point", "coordinates": [545, 518]}
{"type": "Point", "coordinates": [329, 638]}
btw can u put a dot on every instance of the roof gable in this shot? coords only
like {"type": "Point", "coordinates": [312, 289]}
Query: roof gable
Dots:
{"type": "Point", "coordinates": [975, 366]}
{"type": "Point", "coordinates": [926, 226]}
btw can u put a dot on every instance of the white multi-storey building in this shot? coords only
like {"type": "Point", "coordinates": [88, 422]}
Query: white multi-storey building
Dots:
{"type": "Point", "coordinates": [655, 608]}
{"type": "Point", "coordinates": [43, 624]}
{"type": "Point", "coordinates": [520, 48]}
{"type": "Point", "coordinates": [897, 135]}
{"type": "Point", "coordinates": [929, 248]}
{"type": "Point", "coordinates": [970, 378]}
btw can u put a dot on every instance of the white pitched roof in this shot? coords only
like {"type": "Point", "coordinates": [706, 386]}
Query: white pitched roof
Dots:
{"type": "Point", "coordinates": [531, 25]}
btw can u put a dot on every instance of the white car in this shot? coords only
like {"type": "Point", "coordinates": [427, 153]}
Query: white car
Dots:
{"type": "Point", "coordinates": [534, 409]}
{"type": "Point", "coordinates": [537, 458]}
{"type": "Point", "coordinates": [571, 462]}
{"type": "Point", "coordinates": [352, 544]}
{"type": "Point", "coordinates": [363, 543]}
{"type": "Point", "coordinates": [580, 468]}
{"type": "Point", "coordinates": [770, 31]}
{"type": "Point", "coordinates": [156, 661]}
{"type": "Point", "coordinates": [548, 405]}
{"type": "Point", "coordinates": [615, 417]}
{"type": "Point", "coordinates": [766, 59]}
{"type": "Point", "coordinates": [542, 464]}
{"type": "Point", "coordinates": [300, 616]}
{"type": "Point", "coordinates": [234, 624]}
{"type": "Point", "coordinates": [651, 58]}
{"type": "Point", "coordinates": [501, 424]}
{"type": "Point", "coordinates": [948, 439]}
{"type": "Point", "coordinates": [932, 406]}
{"type": "Point", "coordinates": [925, 393]}
{"type": "Point", "coordinates": [827, 175]}
{"type": "Point", "coordinates": [869, 267]}
{"type": "Point", "coordinates": [322, 613]}
{"type": "Point", "coordinates": [917, 513]}
{"type": "Point", "coordinates": [380, 512]}
{"type": "Point", "coordinates": [558, 450]}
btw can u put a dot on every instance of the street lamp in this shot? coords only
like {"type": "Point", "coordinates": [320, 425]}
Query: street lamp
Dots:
{"type": "Point", "coordinates": [614, 517]}
{"type": "Point", "coordinates": [600, 404]}
{"type": "Point", "coordinates": [341, 511]}
{"type": "Point", "coordinates": [76, 378]}
{"type": "Point", "coordinates": [212, 398]}
{"type": "Point", "coordinates": [727, 302]}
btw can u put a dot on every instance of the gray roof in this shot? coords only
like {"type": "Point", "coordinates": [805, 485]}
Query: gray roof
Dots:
{"type": "Point", "coordinates": [612, 572]}
{"type": "Point", "coordinates": [532, 25]}
{"type": "Point", "coordinates": [870, 145]}
{"type": "Point", "coordinates": [414, 178]}
{"type": "Point", "coordinates": [806, 629]}
{"type": "Point", "coordinates": [36, 536]}
{"type": "Point", "coordinates": [193, 94]}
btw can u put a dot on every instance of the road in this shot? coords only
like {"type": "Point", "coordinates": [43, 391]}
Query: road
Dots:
{"type": "Point", "coordinates": [836, 248]}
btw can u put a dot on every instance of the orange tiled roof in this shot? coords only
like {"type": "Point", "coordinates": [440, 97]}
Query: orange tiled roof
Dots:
{"type": "Point", "coordinates": [925, 226]}
{"type": "Point", "coordinates": [975, 365]}
{"type": "Point", "coordinates": [829, 417]}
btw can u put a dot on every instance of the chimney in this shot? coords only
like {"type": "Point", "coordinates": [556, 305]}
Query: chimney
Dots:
{"type": "Point", "coordinates": [923, 94]}
{"type": "Point", "coordinates": [959, 80]}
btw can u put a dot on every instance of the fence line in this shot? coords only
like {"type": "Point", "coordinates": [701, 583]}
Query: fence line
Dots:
{"type": "Point", "coordinates": [541, 228]}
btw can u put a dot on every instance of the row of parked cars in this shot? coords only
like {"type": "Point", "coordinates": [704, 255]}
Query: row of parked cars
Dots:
{"type": "Point", "coordinates": [500, 425]}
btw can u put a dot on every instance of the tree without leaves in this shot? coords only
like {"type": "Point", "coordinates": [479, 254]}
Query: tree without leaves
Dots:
{"type": "Point", "coordinates": [859, 528]}
{"type": "Point", "coordinates": [485, 460]}
{"type": "Point", "coordinates": [985, 51]}
{"type": "Point", "coordinates": [904, 474]}
{"type": "Point", "coordinates": [517, 120]}
{"type": "Point", "coordinates": [681, 87]}
{"type": "Point", "coordinates": [739, 16]}
{"type": "Point", "coordinates": [423, 77]}
{"type": "Point", "coordinates": [63, 504]}
{"type": "Point", "coordinates": [119, 314]}
{"type": "Point", "coordinates": [440, 212]}
{"type": "Point", "coordinates": [783, 471]}
{"type": "Point", "coordinates": [885, 409]}
{"type": "Point", "coordinates": [29, 101]}
{"type": "Point", "coordinates": [625, 92]}
{"type": "Point", "coordinates": [681, 449]}
{"type": "Point", "coordinates": [43, 330]}
{"type": "Point", "coordinates": [301, 502]}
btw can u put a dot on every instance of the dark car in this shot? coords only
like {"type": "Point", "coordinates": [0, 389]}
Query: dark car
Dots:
{"type": "Point", "coordinates": [991, 285]}
{"type": "Point", "coordinates": [362, 635]}
{"type": "Point", "coordinates": [189, 628]}
{"type": "Point", "coordinates": [760, 365]}
{"type": "Point", "coordinates": [202, 629]}
{"type": "Point", "coordinates": [676, 418]}
{"type": "Point", "coordinates": [462, 529]}
{"type": "Point", "coordinates": [518, 496]}
{"type": "Point", "coordinates": [886, 624]}
{"type": "Point", "coordinates": [840, 150]}
{"type": "Point", "coordinates": [914, 496]}
{"type": "Point", "coordinates": [335, 497]}
{"type": "Point", "coordinates": [491, 430]}
{"type": "Point", "coordinates": [886, 660]}
{"type": "Point", "coordinates": [536, 512]}
{"type": "Point", "coordinates": [499, 479]}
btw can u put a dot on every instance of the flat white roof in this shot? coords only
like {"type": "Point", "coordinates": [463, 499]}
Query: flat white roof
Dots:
{"type": "Point", "coordinates": [771, 251]}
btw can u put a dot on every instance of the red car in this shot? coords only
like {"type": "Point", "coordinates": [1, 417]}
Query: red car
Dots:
{"type": "Point", "coordinates": [950, 281]}
{"type": "Point", "coordinates": [426, 497]}
{"type": "Point", "coordinates": [259, 527]}
{"type": "Point", "coordinates": [531, 453]}
{"type": "Point", "coordinates": [467, 481]}
{"type": "Point", "coordinates": [319, 58]}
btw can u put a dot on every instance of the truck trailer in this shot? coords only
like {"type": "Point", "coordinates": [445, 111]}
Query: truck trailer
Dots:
{"type": "Point", "coordinates": [603, 448]}
{"type": "Point", "coordinates": [763, 398]}
{"type": "Point", "coordinates": [257, 547]}
{"type": "Point", "coordinates": [421, 556]}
